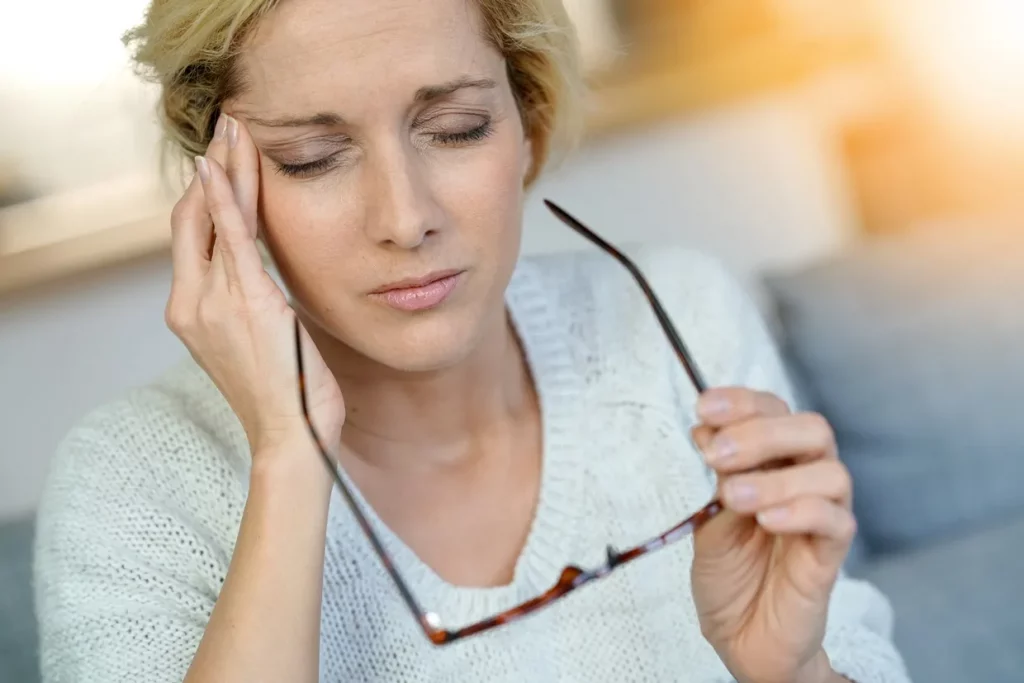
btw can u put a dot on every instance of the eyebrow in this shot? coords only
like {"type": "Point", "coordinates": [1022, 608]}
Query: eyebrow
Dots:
{"type": "Point", "coordinates": [319, 119]}
{"type": "Point", "coordinates": [428, 93]}
{"type": "Point", "coordinates": [435, 92]}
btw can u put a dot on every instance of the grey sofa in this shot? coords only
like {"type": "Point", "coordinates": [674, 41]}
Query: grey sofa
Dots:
{"type": "Point", "coordinates": [17, 621]}
{"type": "Point", "coordinates": [913, 346]}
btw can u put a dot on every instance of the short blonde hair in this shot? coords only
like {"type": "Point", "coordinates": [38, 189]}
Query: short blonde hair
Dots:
{"type": "Point", "coordinates": [190, 48]}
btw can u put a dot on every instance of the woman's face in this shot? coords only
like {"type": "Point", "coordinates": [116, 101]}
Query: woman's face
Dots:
{"type": "Point", "coordinates": [392, 153]}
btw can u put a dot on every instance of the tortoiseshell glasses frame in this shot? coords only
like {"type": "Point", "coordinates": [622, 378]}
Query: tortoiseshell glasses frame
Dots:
{"type": "Point", "coordinates": [572, 577]}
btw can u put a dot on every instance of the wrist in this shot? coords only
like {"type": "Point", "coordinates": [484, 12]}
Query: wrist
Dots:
{"type": "Point", "coordinates": [266, 439]}
{"type": "Point", "coordinates": [819, 670]}
{"type": "Point", "coordinates": [287, 463]}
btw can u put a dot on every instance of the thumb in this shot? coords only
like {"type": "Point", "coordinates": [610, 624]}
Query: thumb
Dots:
{"type": "Point", "coordinates": [721, 535]}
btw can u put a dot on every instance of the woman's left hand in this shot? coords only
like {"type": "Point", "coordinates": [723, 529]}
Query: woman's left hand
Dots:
{"type": "Point", "coordinates": [764, 568]}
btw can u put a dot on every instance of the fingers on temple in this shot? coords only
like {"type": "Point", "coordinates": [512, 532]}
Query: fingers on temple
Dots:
{"type": "Point", "coordinates": [235, 244]}
{"type": "Point", "coordinates": [191, 236]}
{"type": "Point", "coordinates": [243, 168]}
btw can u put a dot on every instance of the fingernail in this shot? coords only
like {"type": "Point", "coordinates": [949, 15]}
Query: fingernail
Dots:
{"type": "Point", "coordinates": [721, 449]}
{"type": "Point", "coordinates": [772, 515]}
{"type": "Point", "coordinates": [220, 128]}
{"type": "Point", "coordinates": [711, 407]}
{"type": "Point", "coordinates": [232, 132]}
{"type": "Point", "coordinates": [741, 492]}
{"type": "Point", "coordinates": [203, 167]}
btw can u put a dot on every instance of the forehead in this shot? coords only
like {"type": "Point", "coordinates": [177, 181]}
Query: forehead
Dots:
{"type": "Point", "coordinates": [322, 53]}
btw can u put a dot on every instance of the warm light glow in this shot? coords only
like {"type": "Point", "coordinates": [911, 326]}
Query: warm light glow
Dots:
{"type": "Point", "coordinates": [998, 32]}
{"type": "Point", "coordinates": [597, 32]}
{"type": "Point", "coordinates": [67, 42]}
{"type": "Point", "coordinates": [970, 54]}
{"type": "Point", "coordinates": [985, 54]}
{"type": "Point", "coordinates": [64, 42]}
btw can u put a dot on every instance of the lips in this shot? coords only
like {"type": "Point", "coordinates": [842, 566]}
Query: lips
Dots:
{"type": "Point", "coordinates": [419, 294]}
{"type": "Point", "coordinates": [416, 282]}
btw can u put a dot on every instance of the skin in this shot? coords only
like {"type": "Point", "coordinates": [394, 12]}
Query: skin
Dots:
{"type": "Point", "coordinates": [765, 567]}
{"type": "Point", "coordinates": [433, 414]}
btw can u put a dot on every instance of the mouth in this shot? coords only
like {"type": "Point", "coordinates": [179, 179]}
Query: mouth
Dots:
{"type": "Point", "coordinates": [419, 293]}
{"type": "Point", "coordinates": [416, 282]}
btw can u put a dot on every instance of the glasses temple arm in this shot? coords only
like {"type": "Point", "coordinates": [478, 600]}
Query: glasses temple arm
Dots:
{"type": "Point", "coordinates": [683, 353]}
{"type": "Point", "coordinates": [349, 497]}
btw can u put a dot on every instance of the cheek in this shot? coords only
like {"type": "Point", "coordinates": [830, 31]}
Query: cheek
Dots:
{"type": "Point", "coordinates": [483, 193]}
{"type": "Point", "coordinates": [301, 225]}
{"type": "Point", "coordinates": [301, 220]}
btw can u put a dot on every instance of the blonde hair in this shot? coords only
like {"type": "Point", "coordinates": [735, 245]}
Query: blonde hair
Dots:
{"type": "Point", "coordinates": [190, 48]}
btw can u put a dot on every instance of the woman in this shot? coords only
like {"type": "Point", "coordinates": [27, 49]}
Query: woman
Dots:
{"type": "Point", "coordinates": [499, 419]}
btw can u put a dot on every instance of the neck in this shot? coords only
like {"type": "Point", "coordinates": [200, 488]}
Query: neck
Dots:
{"type": "Point", "coordinates": [428, 420]}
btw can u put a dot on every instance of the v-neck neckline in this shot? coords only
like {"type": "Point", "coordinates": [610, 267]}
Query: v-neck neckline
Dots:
{"type": "Point", "coordinates": [552, 539]}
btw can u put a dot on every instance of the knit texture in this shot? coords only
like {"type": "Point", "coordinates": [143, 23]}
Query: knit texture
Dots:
{"type": "Point", "coordinates": [145, 498]}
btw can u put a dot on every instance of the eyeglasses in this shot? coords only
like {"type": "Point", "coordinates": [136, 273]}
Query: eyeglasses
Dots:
{"type": "Point", "coordinates": [572, 577]}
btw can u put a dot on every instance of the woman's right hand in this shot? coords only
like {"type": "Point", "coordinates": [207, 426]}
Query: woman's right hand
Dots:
{"type": "Point", "coordinates": [229, 312]}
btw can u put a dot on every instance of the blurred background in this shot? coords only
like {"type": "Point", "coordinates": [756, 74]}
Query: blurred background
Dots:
{"type": "Point", "coordinates": [858, 164]}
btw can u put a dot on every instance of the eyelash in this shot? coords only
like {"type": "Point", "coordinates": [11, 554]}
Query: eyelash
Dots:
{"type": "Point", "coordinates": [448, 139]}
{"type": "Point", "coordinates": [474, 135]}
{"type": "Point", "coordinates": [308, 169]}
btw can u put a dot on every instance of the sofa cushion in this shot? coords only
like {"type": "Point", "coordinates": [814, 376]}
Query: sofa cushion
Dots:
{"type": "Point", "coordinates": [958, 607]}
{"type": "Point", "coordinates": [18, 657]}
{"type": "Point", "coordinates": [911, 346]}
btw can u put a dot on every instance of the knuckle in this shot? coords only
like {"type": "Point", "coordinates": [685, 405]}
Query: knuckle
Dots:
{"type": "Point", "coordinates": [819, 425]}
{"type": "Point", "coordinates": [755, 439]}
{"type": "Point", "coordinates": [777, 431]}
{"type": "Point", "coordinates": [781, 485]}
{"type": "Point", "coordinates": [769, 402]}
{"type": "Point", "coordinates": [208, 312]}
{"type": "Point", "coordinates": [701, 436]}
{"type": "Point", "coordinates": [847, 526]}
{"type": "Point", "coordinates": [844, 480]}
{"type": "Point", "coordinates": [177, 316]}
{"type": "Point", "coordinates": [745, 401]}
{"type": "Point", "coordinates": [763, 439]}
{"type": "Point", "coordinates": [709, 631]}
{"type": "Point", "coordinates": [739, 441]}
{"type": "Point", "coordinates": [181, 212]}
{"type": "Point", "coordinates": [811, 508]}
{"type": "Point", "coordinates": [218, 204]}
{"type": "Point", "coordinates": [798, 512]}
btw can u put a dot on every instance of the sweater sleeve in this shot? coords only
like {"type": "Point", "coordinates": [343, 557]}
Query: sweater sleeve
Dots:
{"type": "Point", "coordinates": [858, 637]}
{"type": "Point", "coordinates": [127, 570]}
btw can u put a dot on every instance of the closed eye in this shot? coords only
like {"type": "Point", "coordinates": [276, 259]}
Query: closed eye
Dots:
{"type": "Point", "coordinates": [446, 138]}
{"type": "Point", "coordinates": [461, 137]}
{"type": "Point", "coordinates": [307, 169]}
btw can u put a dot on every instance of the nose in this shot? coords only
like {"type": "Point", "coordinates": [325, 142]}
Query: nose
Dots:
{"type": "Point", "coordinates": [405, 212]}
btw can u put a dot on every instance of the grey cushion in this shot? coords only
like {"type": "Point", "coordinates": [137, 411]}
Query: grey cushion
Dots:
{"type": "Point", "coordinates": [18, 656]}
{"type": "Point", "coordinates": [958, 606]}
{"type": "Point", "coordinates": [859, 553]}
{"type": "Point", "coordinates": [913, 347]}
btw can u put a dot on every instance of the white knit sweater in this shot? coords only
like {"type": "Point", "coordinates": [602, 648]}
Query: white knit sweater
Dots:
{"type": "Point", "coordinates": [145, 498]}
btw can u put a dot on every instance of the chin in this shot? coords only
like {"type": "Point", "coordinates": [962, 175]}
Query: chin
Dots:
{"type": "Point", "coordinates": [424, 342]}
